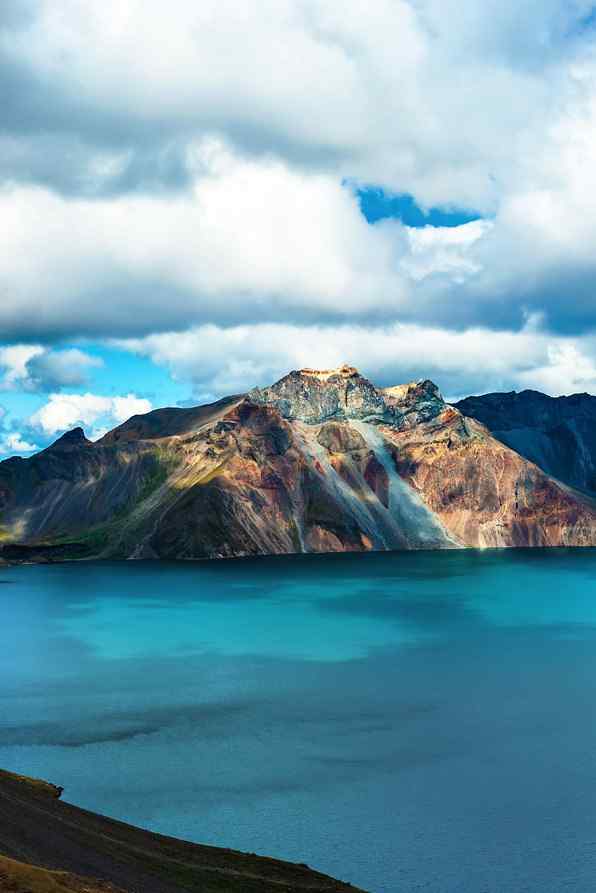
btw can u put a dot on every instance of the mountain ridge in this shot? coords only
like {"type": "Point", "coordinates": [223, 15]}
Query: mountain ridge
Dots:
{"type": "Point", "coordinates": [322, 460]}
{"type": "Point", "coordinates": [556, 433]}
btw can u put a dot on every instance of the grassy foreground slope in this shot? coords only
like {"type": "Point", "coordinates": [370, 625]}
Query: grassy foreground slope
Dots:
{"type": "Point", "coordinates": [48, 846]}
{"type": "Point", "coordinates": [19, 877]}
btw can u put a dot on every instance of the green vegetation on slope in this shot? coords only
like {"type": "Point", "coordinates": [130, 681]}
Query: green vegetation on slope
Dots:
{"type": "Point", "coordinates": [95, 540]}
{"type": "Point", "coordinates": [19, 877]}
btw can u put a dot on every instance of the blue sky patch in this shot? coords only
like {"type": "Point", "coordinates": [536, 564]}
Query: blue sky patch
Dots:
{"type": "Point", "coordinates": [588, 22]}
{"type": "Point", "coordinates": [123, 372]}
{"type": "Point", "coordinates": [376, 204]}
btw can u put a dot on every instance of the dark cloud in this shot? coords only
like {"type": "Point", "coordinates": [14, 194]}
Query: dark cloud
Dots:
{"type": "Point", "coordinates": [54, 370]}
{"type": "Point", "coordinates": [74, 168]}
{"type": "Point", "coordinates": [53, 134]}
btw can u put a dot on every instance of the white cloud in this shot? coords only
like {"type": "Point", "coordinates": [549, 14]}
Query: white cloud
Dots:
{"type": "Point", "coordinates": [245, 118]}
{"type": "Point", "coordinates": [260, 240]}
{"type": "Point", "coordinates": [14, 360]}
{"type": "Point", "coordinates": [13, 444]}
{"type": "Point", "coordinates": [34, 368]}
{"type": "Point", "coordinates": [251, 238]}
{"type": "Point", "coordinates": [395, 92]}
{"type": "Point", "coordinates": [444, 250]}
{"type": "Point", "coordinates": [225, 361]}
{"type": "Point", "coordinates": [566, 370]}
{"type": "Point", "coordinates": [65, 411]}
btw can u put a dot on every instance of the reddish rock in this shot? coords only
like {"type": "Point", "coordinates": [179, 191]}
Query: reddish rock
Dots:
{"type": "Point", "coordinates": [486, 494]}
{"type": "Point", "coordinates": [377, 478]}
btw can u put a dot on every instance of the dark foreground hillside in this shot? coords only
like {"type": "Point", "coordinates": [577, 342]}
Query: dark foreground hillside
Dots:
{"type": "Point", "coordinates": [48, 846]}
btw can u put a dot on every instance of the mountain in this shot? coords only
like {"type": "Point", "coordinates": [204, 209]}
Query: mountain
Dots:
{"type": "Point", "coordinates": [321, 461]}
{"type": "Point", "coordinates": [557, 433]}
{"type": "Point", "coordinates": [47, 846]}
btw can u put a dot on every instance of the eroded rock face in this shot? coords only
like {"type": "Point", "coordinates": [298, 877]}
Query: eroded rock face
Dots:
{"type": "Point", "coordinates": [341, 394]}
{"type": "Point", "coordinates": [484, 493]}
{"type": "Point", "coordinates": [338, 438]}
{"type": "Point", "coordinates": [377, 478]}
{"type": "Point", "coordinates": [415, 402]}
{"type": "Point", "coordinates": [320, 461]}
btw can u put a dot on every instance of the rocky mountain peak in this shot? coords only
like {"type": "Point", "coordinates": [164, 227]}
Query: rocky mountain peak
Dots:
{"type": "Point", "coordinates": [344, 371]}
{"type": "Point", "coordinates": [73, 438]}
{"type": "Point", "coordinates": [319, 395]}
{"type": "Point", "coordinates": [417, 401]}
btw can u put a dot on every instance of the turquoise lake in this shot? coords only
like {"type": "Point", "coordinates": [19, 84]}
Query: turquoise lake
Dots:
{"type": "Point", "coordinates": [407, 721]}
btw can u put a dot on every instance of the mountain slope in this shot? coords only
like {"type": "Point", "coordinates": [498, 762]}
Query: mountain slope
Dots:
{"type": "Point", "coordinates": [486, 494]}
{"type": "Point", "coordinates": [47, 846]}
{"type": "Point", "coordinates": [557, 433]}
{"type": "Point", "coordinates": [320, 461]}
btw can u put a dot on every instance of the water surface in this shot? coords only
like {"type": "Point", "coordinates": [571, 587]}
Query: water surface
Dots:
{"type": "Point", "coordinates": [415, 721]}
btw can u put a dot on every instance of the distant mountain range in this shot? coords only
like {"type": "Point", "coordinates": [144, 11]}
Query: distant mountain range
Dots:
{"type": "Point", "coordinates": [321, 461]}
{"type": "Point", "coordinates": [556, 433]}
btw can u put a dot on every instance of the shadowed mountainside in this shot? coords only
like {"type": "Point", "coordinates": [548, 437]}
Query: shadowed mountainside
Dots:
{"type": "Point", "coordinates": [557, 433]}
{"type": "Point", "coordinates": [321, 461]}
{"type": "Point", "coordinates": [47, 846]}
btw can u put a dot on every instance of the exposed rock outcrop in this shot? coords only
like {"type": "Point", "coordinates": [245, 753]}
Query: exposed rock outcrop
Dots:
{"type": "Point", "coordinates": [71, 439]}
{"type": "Point", "coordinates": [486, 494]}
{"type": "Point", "coordinates": [415, 402]}
{"type": "Point", "coordinates": [313, 396]}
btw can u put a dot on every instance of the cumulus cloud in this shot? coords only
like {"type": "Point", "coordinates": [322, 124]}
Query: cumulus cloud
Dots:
{"type": "Point", "coordinates": [65, 411]}
{"type": "Point", "coordinates": [444, 250]}
{"type": "Point", "coordinates": [14, 360]}
{"type": "Point", "coordinates": [225, 361]}
{"type": "Point", "coordinates": [179, 167]}
{"type": "Point", "coordinates": [13, 444]}
{"type": "Point", "coordinates": [58, 369]}
{"type": "Point", "coordinates": [34, 368]}
{"type": "Point", "coordinates": [262, 240]}
{"type": "Point", "coordinates": [568, 368]}
{"type": "Point", "coordinates": [394, 93]}
{"type": "Point", "coordinates": [249, 238]}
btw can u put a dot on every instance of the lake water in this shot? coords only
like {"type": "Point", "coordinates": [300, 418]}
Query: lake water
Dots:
{"type": "Point", "coordinates": [415, 721]}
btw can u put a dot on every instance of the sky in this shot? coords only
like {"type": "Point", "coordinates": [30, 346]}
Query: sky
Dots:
{"type": "Point", "coordinates": [197, 198]}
